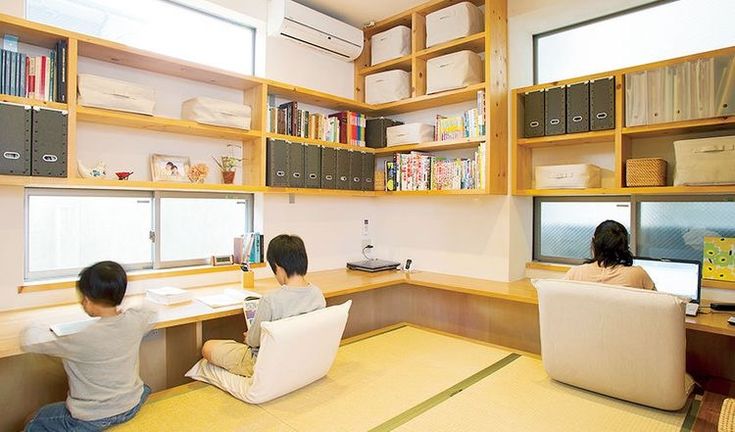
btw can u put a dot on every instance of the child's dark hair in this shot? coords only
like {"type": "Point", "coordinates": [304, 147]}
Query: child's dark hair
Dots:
{"type": "Point", "coordinates": [289, 253]}
{"type": "Point", "coordinates": [611, 245]}
{"type": "Point", "coordinates": [104, 282]}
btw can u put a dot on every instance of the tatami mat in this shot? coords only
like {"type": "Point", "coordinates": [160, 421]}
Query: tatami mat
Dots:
{"type": "Point", "coordinates": [521, 397]}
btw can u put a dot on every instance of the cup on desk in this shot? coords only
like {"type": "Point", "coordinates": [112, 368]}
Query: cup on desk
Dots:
{"type": "Point", "coordinates": [248, 277]}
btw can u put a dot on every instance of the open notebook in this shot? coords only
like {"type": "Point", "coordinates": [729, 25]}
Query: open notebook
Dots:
{"type": "Point", "coordinates": [67, 328]}
{"type": "Point", "coordinates": [230, 297]}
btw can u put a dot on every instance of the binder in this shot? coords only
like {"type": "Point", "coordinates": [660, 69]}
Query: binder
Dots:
{"type": "Point", "coordinates": [533, 114]}
{"type": "Point", "coordinates": [15, 139]}
{"type": "Point", "coordinates": [655, 89]}
{"type": "Point", "coordinates": [725, 96]}
{"type": "Point", "coordinates": [312, 166]}
{"type": "Point", "coordinates": [682, 93]}
{"type": "Point", "coordinates": [375, 136]}
{"type": "Point", "coordinates": [602, 104]}
{"type": "Point", "coordinates": [368, 171]}
{"type": "Point", "coordinates": [356, 170]}
{"type": "Point", "coordinates": [329, 168]}
{"type": "Point", "coordinates": [636, 98]}
{"type": "Point", "coordinates": [49, 142]}
{"type": "Point", "coordinates": [343, 169]}
{"type": "Point", "coordinates": [295, 165]}
{"type": "Point", "coordinates": [277, 160]}
{"type": "Point", "coordinates": [578, 107]}
{"type": "Point", "coordinates": [555, 111]}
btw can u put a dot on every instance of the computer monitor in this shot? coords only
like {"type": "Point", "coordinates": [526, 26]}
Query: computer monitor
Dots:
{"type": "Point", "coordinates": [678, 277]}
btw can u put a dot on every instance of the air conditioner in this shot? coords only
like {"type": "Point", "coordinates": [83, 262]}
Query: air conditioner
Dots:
{"type": "Point", "coordinates": [314, 29]}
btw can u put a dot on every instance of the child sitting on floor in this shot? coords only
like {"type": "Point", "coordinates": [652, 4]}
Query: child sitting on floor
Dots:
{"type": "Point", "coordinates": [101, 360]}
{"type": "Point", "coordinates": [287, 258]}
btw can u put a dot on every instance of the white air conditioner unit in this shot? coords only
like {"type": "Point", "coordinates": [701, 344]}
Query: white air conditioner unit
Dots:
{"type": "Point", "coordinates": [314, 29]}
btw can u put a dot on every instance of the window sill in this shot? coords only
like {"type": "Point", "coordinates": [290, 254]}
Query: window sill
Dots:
{"type": "Point", "coordinates": [706, 283]}
{"type": "Point", "coordinates": [66, 283]}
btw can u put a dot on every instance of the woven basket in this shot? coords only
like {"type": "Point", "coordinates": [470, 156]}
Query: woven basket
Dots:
{"type": "Point", "coordinates": [727, 416]}
{"type": "Point", "coordinates": [645, 172]}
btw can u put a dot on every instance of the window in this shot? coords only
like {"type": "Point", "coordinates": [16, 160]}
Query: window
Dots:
{"type": "Point", "coordinates": [653, 32]}
{"type": "Point", "coordinates": [173, 28]}
{"type": "Point", "coordinates": [67, 230]}
{"type": "Point", "coordinates": [660, 227]}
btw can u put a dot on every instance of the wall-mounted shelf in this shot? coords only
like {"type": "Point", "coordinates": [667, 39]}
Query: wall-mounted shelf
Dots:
{"type": "Point", "coordinates": [450, 97]}
{"type": "Point", "coordinates": [461, 143]}
{"type": "Point", "coordinates": [399, 63]}
{"type": "Point", "coordinates": [434, 192]}
{"type": "Point", "coordinates": [683, 127]}
{"type": "Point", "coordinates": [475, 42]}
{"type": "Point", "coordinates": [319, 142]}
{"type": "Point", "coordinates": [33, 102]}
{"type": "Point", "coordinates": [568, 139]}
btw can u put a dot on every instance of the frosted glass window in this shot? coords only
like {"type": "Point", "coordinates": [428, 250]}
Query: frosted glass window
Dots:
{"type": "Point", "coordinates": [160, 26]}
{"type": "Point", "coordinates": [71, 230]}
{"type": "Point", "coordinates": [197, 228]}
{"type": "Point", "coordinates": [664, 31]}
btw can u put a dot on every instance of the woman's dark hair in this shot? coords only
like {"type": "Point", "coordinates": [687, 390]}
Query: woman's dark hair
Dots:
{"type": "Point", "coordinates": [104, 282]}
{"type": "Point", "coordinates": [611, 245]}
{"type": "Point", "coordinates": [289, 253]}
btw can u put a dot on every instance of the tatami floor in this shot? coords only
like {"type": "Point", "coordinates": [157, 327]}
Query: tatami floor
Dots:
{"type": "Point", "coordinates": [411, 379]}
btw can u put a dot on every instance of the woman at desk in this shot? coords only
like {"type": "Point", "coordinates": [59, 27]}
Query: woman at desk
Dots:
{"type": "Point", "coordinates": [612, 261]}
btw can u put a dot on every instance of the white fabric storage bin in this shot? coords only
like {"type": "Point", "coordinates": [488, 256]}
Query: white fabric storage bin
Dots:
{"type": "Point", "coordinates": [100, 92]}
{"type": "Point", "coordinates": [411, 133]}
{"type": "Point", "coordinates": [453, 22]}
{"type": "Point", "coordinates": [217, 112]}
{"type": "Point", "coordinates": [574, 176]}
{"type": "Point", "coordinates": [705, 161]}
{"type": "Point", "coordinates": [390, 44]}
{"type": "Point", "coordinates": [388, 86]}
{"type": "Point", "coordinates": [453, 71]}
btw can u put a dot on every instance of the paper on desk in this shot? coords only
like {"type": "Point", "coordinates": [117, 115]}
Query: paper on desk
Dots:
{"type": "Point", "coordinates": [68, 328]}
{"type": "Point", "coordinates": [219, 300]}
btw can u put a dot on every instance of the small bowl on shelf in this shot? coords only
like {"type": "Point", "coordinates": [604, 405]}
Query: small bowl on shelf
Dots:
{"type": "Point", "coordinates": [123, 175]}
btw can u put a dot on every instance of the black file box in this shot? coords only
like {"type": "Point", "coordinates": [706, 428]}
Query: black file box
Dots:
{"type": "Point", "coordinates": [375, 134]}
{"type": "Point", "coordinates": [312, 166]}
{"type": "Point", "coordinates": [329, 168]}
{"type": "Point", "coordinates": [295, 165]}
{"type": "Point", "coordinates": [356, 170]}
{"type": "Point", "coordinates": [343, 169]}
{"type": "Point", "coordinates": [15, 139]}
{"type": "Point", "coordinates": [602, 104]}
{"type": "Point", "coordinates": [578, 107]}
{"type": "Point", "coordinates": [277, 160]}
{"type": "Point", "coordinates": [533, 114]}
{"type": "Point", "coordinates": [49, 142]}
{"type": "Point", "coordinates": [555, 115]}
{"type": "Point", "coordinates": [368, 171]}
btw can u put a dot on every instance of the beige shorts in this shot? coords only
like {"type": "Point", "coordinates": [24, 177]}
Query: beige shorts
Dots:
{"type": "Point", "coordinates": [234, 356]}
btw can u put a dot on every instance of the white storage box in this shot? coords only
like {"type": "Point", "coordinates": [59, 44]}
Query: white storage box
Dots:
{"type": "Point", "coordinates": [453, 71]}
{"type": "Point", "coordinates": [100, 92]}
{"type": "Point", "coordinates": [453, 22]}
{"type": "Point", "coordinates": [411, 133]}
{"type": "Point", "coordinates": [705, 161]}
{"type": "Point", "coordinates": [390, 44]}
{"type": "Point", "coordinates": [216, 112]}
{"type": "Point", "coordinates": [388, 86]}
{"type": "Point", "coordinates": [575, 176]}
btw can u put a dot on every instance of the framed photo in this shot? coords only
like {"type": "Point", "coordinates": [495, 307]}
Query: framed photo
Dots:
{"type": "Point", "coordinates": [169, 168]}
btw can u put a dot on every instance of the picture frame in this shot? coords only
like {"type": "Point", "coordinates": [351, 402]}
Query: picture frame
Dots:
{"type": "Point", "coordinates": [170, 168]}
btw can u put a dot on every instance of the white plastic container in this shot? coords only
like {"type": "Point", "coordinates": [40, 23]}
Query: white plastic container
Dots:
{"type": "Point", "coordinates": [453, 22]}
{"type": "Point", "coordinates": [453, 71]}
{"type": "Point", "coordinates": [388, 86]}
{"type": "Point", "coordinates": [705, 161]}
{"type": "Point", "coordinates": [100, 92]}
{"type": "Point", "coordinates": [390, 44]}
{"type": "Point", "coordinates": [575, 176]}
{"type": "Point", "coordinates": [411, 133]}
{"type": "Point", "coordinates": [217, 112]}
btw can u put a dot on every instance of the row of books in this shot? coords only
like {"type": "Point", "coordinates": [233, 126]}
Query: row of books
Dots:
{"type": "Point", "coordinates": [470, 124]}
{"type": "Point", "coordinates": [689, 90]}
{"type": "Point", "coordinates": [345, 127]}
{"type": "Point", "coordinates": [417, 171]}
{"type": "Point", "coordinates": [35, 77]}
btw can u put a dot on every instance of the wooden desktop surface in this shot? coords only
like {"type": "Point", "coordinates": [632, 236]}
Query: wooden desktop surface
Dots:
{"type": "Point", "coordinates": [333, 283]}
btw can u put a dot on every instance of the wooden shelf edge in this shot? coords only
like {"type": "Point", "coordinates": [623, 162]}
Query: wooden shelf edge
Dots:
{"type": "Point", "coordinates": [315, 97]}
{"type": "Point", "coordinates": [460, 143]}
{"type": "Point", "coordinates": [662, 190]}
{"type": "Point", "coordinates": [80, 183]}
{"type": "Point", "coordinates": [319, 142]}
{"type": "Point", "coordinates": [679, 127]}
{"type": "Point", "coordinates": [323, 192]}
{"type": "Point", "coordinates": [429, 101]}
{"type": "Point", "coordinates": [397, 63]}
{"type": "Point", "coordinates": [435, 192]}
{"type": "Point", "coordinates": [568, 139]}
{"type": "Point", "coordinates": [472, 42]}
{"type": "Point", "coordinates": [33, 102]}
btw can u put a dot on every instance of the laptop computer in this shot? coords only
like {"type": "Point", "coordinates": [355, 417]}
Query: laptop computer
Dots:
{"type": "Point", "coordinates": [373, 265]}
{"type": "Point", "coordinates": [679, 277]}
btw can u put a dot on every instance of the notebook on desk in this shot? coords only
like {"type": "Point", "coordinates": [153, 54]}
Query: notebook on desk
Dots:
{"type": "Point", "coordinates": [68, 328]}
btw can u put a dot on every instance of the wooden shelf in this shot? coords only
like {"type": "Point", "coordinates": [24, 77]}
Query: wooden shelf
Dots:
{"type": "Point", "coordinates": [404, 18]}
{"type": "Point", "coordinates": [314, 97]}
{"type": "Point", "coordinates": [161, 124]}
{"type": "Point", "coordinates": [680, 190]}
{"type": "Point", "coordinates": [430, 101]}
{"type": "Point", "coordinates": [403, 63]}
{"type": "Point", "coordinates": [570, 192]}
{"type": "Point", "coordinates": [434, 192]}
{"type": "Point", "coordinates": [80, 183]}
{"type": "Point", "coordinates": [569, 139]}
{"type": "Point", "coordinates": [475, 42]}
{"type": "Point", "coordinates": [33, 102]}
{"type": "Point", "coordinates": [323, 192]}
{"type": "Point", "coordinates": [319, 142]}
{"type": "Point", "coordinates": [682, 127]}
{"type": "Point", "coordinates": [30, 32]}
{"type": "Point", "coordinates": [456, 144]}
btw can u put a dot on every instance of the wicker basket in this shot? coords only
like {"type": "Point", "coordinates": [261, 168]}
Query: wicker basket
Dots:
{"type": "Point", "coordinates": [645, 172]}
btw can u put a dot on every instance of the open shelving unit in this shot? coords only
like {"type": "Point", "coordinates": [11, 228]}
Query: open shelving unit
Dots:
{"type": "Point", "coordinates": [621, 139]}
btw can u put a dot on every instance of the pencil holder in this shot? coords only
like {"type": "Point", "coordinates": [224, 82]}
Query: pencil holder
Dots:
{"type": "Point", "coordinates": [248, 279]}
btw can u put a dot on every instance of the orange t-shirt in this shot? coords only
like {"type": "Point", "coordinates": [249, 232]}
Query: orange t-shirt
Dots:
{"type": "Point", "coordinates": [631, 276]}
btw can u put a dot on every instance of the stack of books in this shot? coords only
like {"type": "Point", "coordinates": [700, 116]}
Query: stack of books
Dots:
{"type": "Point", "coordinates": [39, 77]}
{"type": "Point", "coordinates": [417, 171]}
{"type": "Point", "coordinates": [168, 295]}
{"type": "Point", "coordinates": [470, 124]}
{"type": "Point", "coordinates": [288, 119]}
{"type": "Point", "coordinates": [353, 122]}
{"type": "Point", "coordinates": [256, 251]}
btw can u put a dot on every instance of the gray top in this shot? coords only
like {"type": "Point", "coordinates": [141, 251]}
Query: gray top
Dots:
{"type": "Point", "coordinates": [101, 362]}
{"type": "Point", "coordinates": [285, 302]}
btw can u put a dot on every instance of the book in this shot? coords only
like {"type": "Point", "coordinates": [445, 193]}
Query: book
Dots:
{"type": "Point", "coordinates": [168, 295]}
{"type": "Point", "coordinates": [229, 297]}
{"type": "Point", "coordinates": [71, 327]}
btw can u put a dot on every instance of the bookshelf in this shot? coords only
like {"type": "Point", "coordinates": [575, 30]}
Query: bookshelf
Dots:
{"type": "Point", "coordinates": [622, 141]}
{"type": "Point", "coordinates": [461, 143]}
